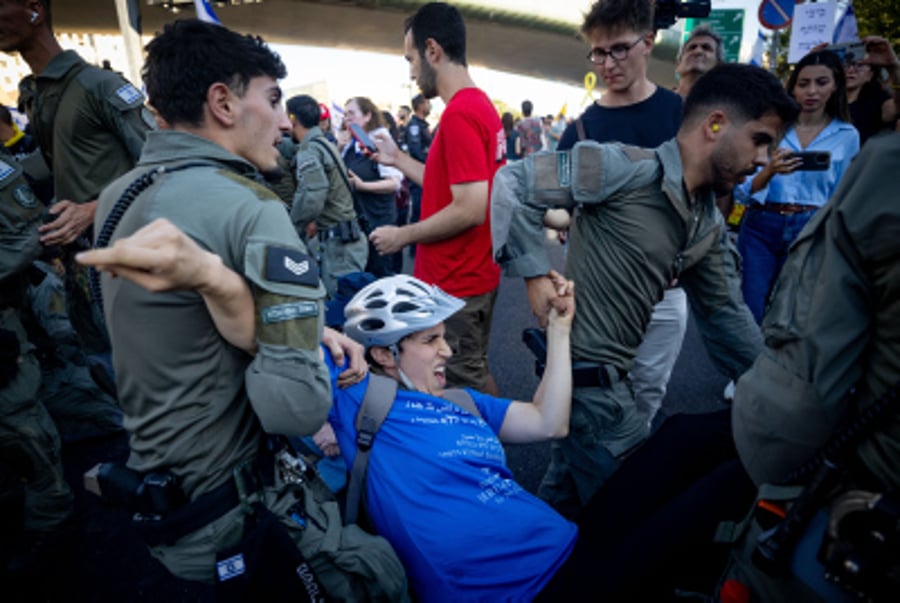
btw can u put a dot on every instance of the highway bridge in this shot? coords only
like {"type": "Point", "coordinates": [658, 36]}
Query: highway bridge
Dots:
{"type": "Point", "coordinates": [535, 39]}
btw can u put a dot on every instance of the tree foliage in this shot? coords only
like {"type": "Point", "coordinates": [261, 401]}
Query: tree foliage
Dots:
{"type": "Point", "coordinates": [879, 18]}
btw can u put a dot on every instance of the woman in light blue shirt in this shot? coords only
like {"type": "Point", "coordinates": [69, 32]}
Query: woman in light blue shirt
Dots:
{"type": "Point", "coordinates": [781, 198]}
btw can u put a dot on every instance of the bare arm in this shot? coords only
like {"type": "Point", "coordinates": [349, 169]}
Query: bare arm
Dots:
{"type": "Point", "coordinates": [547, 416]}
{"type": "Point", "coordinates": [377, 187]}
{"type": "Point", "coordinates": [389, 154]}
{"type": "Point", "coordinates": [780, 163]}
{"type": "Point", "coordinates": [468, 209]}
{"type": "Point", "coordinates": [160, 257]}
{"type": "Point", "coordinates": [879, 53]}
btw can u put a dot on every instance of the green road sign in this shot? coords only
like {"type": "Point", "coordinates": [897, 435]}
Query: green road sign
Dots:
{"type": "Point", "coordinates": [728, 23]}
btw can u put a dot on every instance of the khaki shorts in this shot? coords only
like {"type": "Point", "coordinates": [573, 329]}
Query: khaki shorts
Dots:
{"type": "Point", "coordinates": [467, 334]}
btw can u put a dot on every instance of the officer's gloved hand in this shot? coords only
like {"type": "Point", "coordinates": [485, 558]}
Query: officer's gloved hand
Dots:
{"type": "Point", "coordinates": [9, 356]}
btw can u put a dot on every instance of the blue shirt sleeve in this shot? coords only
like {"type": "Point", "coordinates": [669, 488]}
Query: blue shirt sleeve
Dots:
{"type": "Point", "coordinates": [493, 410]}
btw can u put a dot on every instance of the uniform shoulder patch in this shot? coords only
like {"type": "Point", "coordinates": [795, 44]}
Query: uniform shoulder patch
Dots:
{"type": "Point", "coordinates": [25, 197]}
{"type": "Point", "coordinates": [285, 265]}
{"type": "Point", "coordinates": [130, 95]}
{"type": "Point", "coordinates": [6, 170]}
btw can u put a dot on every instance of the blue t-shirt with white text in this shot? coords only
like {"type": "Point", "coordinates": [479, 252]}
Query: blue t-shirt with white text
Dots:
{"type": "Point", "coordinates": [439, 490]}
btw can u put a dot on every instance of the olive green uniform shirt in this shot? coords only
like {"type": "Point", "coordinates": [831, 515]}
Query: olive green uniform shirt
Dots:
{"type": "Point", "coordinates": [193, 403]}
{"type": "Point", "coordinates": [833, 324]}
{"type": "Point", "coordinates": [90, 123]}
{"type": "Point", "coordinates": [322, 194]}
{"type": "Point", "coordinates": [635, 230]}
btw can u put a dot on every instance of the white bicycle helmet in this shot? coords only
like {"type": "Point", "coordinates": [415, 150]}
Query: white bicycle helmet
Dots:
{"type": "Point", "coordinates": [384, 312]}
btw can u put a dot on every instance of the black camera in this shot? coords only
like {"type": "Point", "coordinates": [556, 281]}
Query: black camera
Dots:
{"type": "Point", "coordinates": [666, 12]}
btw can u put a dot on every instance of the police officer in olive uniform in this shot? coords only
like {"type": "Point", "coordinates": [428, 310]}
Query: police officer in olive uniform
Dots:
{"type": "Point", "coordinates": [90, 124]}
{"type": "Point", "coordinates": [216, 316]}
{"type": "Point", "coordinates": [323, 211]}
{"type": "Point", "coordinates": [29, 444]}
{"type": "Point", "coordinates": [645, 216]}
{"type": "Point", "coordinates": [418, 141]}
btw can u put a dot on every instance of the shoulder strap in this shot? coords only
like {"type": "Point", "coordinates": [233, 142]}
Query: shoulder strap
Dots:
{"type": "Point", "coordinates": [115, 215]}
{"type": "Point", "coordinates": [338, 162]}
{"type": "Point", "coordinates": [377, 402]}
{"type": "Point", "coordinates": [50, 107]}
{"type": "Point", "coordinates": [579, 128]}
{"type": "Point", "coordinates": [339, 165]}
{"type": "Point", "coordinates": [463, 399]}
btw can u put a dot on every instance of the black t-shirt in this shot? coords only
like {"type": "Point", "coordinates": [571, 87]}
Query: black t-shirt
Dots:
{"type": "Point", "coordinates": [648, 123]}
{"type": "Point", "coordinates": [865, 113]}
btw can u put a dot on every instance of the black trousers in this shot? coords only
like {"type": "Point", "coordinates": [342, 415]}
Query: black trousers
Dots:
{"type": "Point", "coordinates": [650, 527]}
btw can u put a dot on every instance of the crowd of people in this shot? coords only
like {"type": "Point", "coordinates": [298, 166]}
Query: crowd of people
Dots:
{"type": "Point", "coordinates": [166, 263]}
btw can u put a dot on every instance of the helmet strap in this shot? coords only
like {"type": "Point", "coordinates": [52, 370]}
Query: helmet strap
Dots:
{"type": "Point", "coordinates": [403, 378]}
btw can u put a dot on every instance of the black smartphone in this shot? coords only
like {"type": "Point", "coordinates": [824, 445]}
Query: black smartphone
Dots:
{"type": "Point", "coordinates": [849, 52]}
{"type": "Point", "coordinates": [813, 161]}
{"type": "Point", "coordinates": [362, 138]}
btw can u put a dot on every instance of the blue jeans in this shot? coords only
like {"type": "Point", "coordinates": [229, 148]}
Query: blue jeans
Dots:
{"type": "Point", "coordinates": [763, 243]}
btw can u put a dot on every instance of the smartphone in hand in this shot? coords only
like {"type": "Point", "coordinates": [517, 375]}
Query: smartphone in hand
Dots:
{"type": "Point", "coordinates": [363, 138]}
{"type": "Point", "coordinates": [813, 161]}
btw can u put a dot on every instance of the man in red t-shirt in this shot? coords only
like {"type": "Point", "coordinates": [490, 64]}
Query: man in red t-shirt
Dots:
{"type": "Point", "coordinates": [453, 236]}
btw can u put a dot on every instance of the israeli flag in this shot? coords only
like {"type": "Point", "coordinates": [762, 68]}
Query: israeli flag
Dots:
{"type": "Point", "coordinates": [756, 55]}
{"type": "Point", "coordinates": [846, 29]}
{"type": "Point", "coordinates": [205, 12]}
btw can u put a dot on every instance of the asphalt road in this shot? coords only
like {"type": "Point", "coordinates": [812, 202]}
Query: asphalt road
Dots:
{"type": "Point", "coordinates": [106, 561]}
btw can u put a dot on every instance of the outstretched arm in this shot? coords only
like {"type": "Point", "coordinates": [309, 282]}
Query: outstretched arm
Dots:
{"type": "Point", "coordinates": [160, 257]}
{"type": "Point", "coordinates": [547, 416]}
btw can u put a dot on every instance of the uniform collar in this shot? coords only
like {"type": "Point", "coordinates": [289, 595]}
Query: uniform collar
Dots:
{"type": "Point", "coordinates": [61, 64]}
{"type": "Point", "coordinates": [167, 146]}
{"type": "Point", "coordinates": [669, 154]}
{"type": "Point", "coordinates": [313, 132]}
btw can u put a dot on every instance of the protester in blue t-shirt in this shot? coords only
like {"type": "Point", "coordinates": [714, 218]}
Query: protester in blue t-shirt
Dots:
{"type": "Point", "coordinates": [438, 487]}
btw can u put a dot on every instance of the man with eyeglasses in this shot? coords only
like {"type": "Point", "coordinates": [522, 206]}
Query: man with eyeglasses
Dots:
{"type": "Point", "coordinates": [701, 52]}
{"type": "Point", "coordinates": [635, 111]}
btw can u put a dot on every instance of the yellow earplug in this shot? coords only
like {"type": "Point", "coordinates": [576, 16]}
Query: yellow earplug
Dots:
{"type": "Point", "coordinates": [715, 127]}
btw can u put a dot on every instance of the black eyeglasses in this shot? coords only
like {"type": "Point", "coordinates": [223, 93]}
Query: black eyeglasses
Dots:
{"type": "Point", "coordinates": [618, 52]}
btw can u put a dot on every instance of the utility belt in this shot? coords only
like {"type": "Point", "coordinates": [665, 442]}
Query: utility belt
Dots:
{"type": "Point", "coordinates": [784, 209]}
{"type": "Point", "coordinates": [161, 511]}
{"type": "Point", "coordinates": [584, 373]}
{"type": "Point", "coordinates": [348, 231]}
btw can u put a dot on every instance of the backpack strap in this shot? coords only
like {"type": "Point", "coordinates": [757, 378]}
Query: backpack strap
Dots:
{"type": "Point", "coordinates": [579, 128]}
{"type": "Point", "coordinates": [377, 402]}
{"type": "Point", "coordinates": [463, 399]}
{"type": "Point", "coordinates": [338, 162]}
{"type": "Point", "coordinates": [45, 109]}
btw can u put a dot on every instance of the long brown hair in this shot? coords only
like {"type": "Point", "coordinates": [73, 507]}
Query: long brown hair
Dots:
{"type": "Point", "coordinates": [367, 107]}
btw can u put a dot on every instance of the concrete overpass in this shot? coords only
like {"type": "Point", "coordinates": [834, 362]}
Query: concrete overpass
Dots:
{"type": "Point", "coordinates": [520, 42]}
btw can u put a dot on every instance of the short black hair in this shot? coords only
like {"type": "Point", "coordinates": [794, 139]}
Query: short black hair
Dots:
{"type": "Point", "coordinates": [617, 15]}
{"type": "Point", "coordinates": [442, 23]}
{"type": "Point", "coordinates": [305, 109]}
{"type": "Point", "coordinates": [189, 56]}
{"type": "Point", "coordinates": [527, 108]}
{"type": "Point", "coordinates": [745, 92]}
{"type": "Point", "coordinates": [417, 101]}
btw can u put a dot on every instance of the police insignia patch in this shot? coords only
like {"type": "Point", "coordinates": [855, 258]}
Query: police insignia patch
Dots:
{"type": "Point", "coordinates": [5, 170]}
{"type": "Point", "coordinates": [289, 311]}
{"type": "Point", "coordinates": [291, 266]}
{"type": "Point", "coordinates": [25, 197]}
{"type": "Point", "coordinates": [129, 94]}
